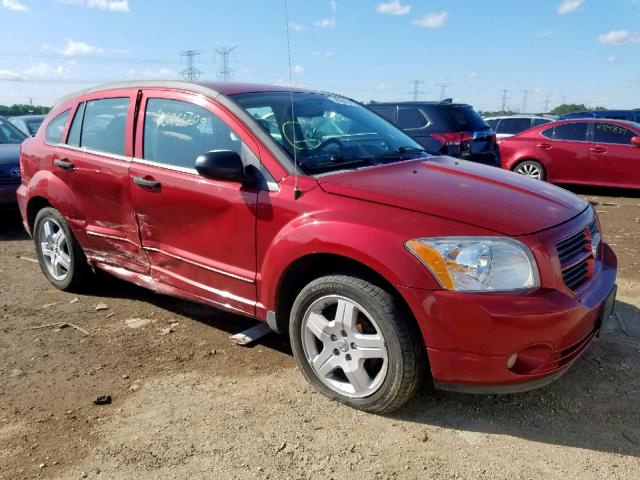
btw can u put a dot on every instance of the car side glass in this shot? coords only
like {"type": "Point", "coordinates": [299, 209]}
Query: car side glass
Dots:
{"type": "Point", "coordinates": [612, 134]}
{"type": "Point", "coordinates": [73, 138]}
{"type": "Point", "coordinates": [53, 134]}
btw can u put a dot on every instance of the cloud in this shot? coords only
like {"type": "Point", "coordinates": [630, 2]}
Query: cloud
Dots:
{"type": "Point", "coordinates": [321, 53]}
{"type": "Point", "coordinates": [431, 20]}
{"type": "Point", "coordinates": [325, 23]}
{"type": "Point", "coordinates": [297, 69]}
{"type": "Point", "coordinates": [10, 75]}
{"type": "Point", "coordinates": [473, 75]}
{"type": "Point", "coordinates": [612, 59]}
{"type": "Point", "coordinates": [158, 73]}
{"type": "Point", "coordinates": [393, 7]}
{"type": "Point", "coordinates": [544, 34]}
{"type": "Point", "coordinates": [334, 5]}
{"type": "Point", "coordinates": [16, 6]}
{"type": "Point", "coordinates": [43, 69]}
{"type": "Point", "coordinates": [296, 27]}
{"type": "Point", "coordinates": [108, 5]}
{"type": "Point", "coordinates": [79, 48]}
{"type": "Point", "coordinates": [382, 86]}
{"type": "Point", "coordinates": [619, 37]}
{"type": "Point", "coordinates": [570, 6]}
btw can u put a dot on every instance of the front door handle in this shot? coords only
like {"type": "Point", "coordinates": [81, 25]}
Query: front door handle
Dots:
{"type": "Point", "coordinates": [144, 183]}
{"type": "Point", "coordinates": [546, 146]}
{"type": "Point", "coordinates": [598, 149]}
{"type": "Point", "coordinates": [64, 164]}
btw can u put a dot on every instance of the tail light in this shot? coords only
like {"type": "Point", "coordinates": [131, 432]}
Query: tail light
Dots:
{"type": "Point", "coordinates": [457, 141]}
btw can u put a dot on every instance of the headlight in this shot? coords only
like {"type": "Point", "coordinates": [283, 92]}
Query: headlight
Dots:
{"type": "Point", "coordinates": [477, 264]}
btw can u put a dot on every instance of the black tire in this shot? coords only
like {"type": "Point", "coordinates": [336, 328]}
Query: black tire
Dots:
{"type": "Point", "coordinates": [531, 164]}
{"type": "Point", "coordinates": [405, 352]}
{"type": "Point", "coordinates": [78, 270]}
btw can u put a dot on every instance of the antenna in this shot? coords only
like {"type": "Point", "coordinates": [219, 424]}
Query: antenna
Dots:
{"type": "Point", "coordinates": [296, 191]}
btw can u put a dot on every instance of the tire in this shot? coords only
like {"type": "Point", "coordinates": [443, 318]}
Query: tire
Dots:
{"type": "Point", "coordinates": [531, 169]}
{"type": "Point", "coordinates": [345, 321]}
{"type": "Point", "coordinates": [61, 259]}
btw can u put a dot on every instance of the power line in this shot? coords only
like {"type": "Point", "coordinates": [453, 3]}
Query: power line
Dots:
{"type": "Point", "coordinates": [225, 71]}
{"type": "Point", "coordinates": [416, 89]}
{"type": "Point", "coordinates": [443, 90]}
{"type": "Point", "coordinates": [191, 72]}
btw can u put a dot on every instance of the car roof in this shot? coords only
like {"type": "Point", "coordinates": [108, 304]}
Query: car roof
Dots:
{"type": "Point", "coordinates": [500, 117]}
{"type": "Point", "coordinates": [210, 89]}
{"type": "Point", "coordinates": [596, 120]}
{"type": "Point", "coordinates": [444, 103]}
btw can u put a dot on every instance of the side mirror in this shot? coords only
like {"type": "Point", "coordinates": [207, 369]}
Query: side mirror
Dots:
{"type": "Point", "coordinates": [221, 165]}
{"type": "Point", "coordinates": [635, 141]}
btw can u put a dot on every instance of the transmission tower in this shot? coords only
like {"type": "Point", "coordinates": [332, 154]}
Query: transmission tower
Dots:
{"type": "Point", "coordinates": [191, 72]}
{"type": "Point", "coordinates": [443, 90]}
{"type": "Point", "coordinates": [504, 100]}
{"type": "Point", "coordinates": [225, 71]}
{"type": "Point", "coordinates": [546, 104]}
{"type": "Point", "coordinates": [416, 89]}
{"type": "Point", "coordinates": [525, 94]}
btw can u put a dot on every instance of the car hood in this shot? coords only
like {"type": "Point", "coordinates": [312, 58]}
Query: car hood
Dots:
{"type": "Point", "coordinates": [458, 190]}
{"type": "Point", "coordinates": [9, 154]}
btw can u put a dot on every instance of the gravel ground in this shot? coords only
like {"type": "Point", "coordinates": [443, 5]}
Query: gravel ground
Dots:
{"type": "Point", "coordinates": [189, 404]}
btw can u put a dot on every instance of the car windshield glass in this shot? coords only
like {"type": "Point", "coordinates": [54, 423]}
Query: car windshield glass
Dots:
{"type": "Point", "coordinates": [462, 119]}
{"type": "Point", "coordinates": [327, 132]}
{"type": "Point", "coordinates": [34, 125]}
{"type": "Point", "coordinates": [9, 133]}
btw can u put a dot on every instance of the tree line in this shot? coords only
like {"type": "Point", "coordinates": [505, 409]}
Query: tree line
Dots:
{"type": "Point", "coordinates": [22, 109]}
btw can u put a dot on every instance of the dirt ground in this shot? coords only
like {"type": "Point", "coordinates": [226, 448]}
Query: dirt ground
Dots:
{"type": "Point", "coordinates": [187, 404]}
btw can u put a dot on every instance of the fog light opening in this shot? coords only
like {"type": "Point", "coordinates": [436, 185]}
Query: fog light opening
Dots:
{"type": "Point", "coordinates": [511, 361]}
{"type": "Point", "coordinates": [529, 359]}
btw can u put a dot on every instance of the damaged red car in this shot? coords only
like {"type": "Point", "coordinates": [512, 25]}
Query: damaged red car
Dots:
{"type": "Point", "coordinates": [309, 212]}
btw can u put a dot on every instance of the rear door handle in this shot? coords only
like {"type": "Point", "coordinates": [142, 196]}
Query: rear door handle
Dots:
{"type": "Point", "coordinates": [144, 183]}
{"type": "Point", "coordinates": [546, 146]}
{"type": "Point", "coordinates": [598, 149]}
{"type": "Point", "coordinates": [64, 164]}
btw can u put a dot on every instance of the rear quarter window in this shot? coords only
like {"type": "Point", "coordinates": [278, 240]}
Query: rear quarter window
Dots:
{"type": "Point", "coordinates": [55, 128]}
{"type": "Point", "coordinates": [411, 118]}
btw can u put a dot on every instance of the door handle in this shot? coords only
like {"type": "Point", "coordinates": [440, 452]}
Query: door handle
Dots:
{"type": "Point", "coordinates": [144, 183]}
{"type": "Point", "coordinates": [598, 149]}
{"type": "Point", "coordinates": [546, 146]}
{"type": "Point", "coordinates": [64, 164]}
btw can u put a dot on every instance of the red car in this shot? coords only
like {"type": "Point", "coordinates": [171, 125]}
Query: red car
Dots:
{"type": "Point", "coordinates": [311, 213]}
{"type": "Point", "coordinates": [597, 152]}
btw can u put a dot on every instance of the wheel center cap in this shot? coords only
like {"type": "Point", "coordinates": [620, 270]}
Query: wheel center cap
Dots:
{"type": "Point", "coordinates": [343, 345]}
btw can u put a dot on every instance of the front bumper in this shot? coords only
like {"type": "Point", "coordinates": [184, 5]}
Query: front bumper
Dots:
{"type": "Point", "coordinates": [471, 338]}
{"type": "Point", "coordinates": [8, 195]}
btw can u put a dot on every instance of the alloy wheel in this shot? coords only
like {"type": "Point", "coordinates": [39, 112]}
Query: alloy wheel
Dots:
{"type": "Point", "coordinates": [529, 170]}
{"type": "Point", "coordinates": [344, 346]}
{"type": "Point", "coordinates": [55, 249]}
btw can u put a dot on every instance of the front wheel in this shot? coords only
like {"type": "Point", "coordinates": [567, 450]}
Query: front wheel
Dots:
{"type": "Point", "coordinates": [531, 169]}
{"type": "Point", "coordinates": [354, 345]}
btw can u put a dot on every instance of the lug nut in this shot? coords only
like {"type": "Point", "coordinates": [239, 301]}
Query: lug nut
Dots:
{"type": "Point", "coordinates": [334, 338]}
{"type": "Point", "coordinates": [348, 356]}
{"type": "Point", "coordinates": [336, 351]}
{"type": "Point", "coordinates": [353, 345]}
{"type": "Point", "coordinates": [343, 333]}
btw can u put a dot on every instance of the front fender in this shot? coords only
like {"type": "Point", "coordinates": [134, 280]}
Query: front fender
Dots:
{"type": "Point", "coordinates": [380, 249]}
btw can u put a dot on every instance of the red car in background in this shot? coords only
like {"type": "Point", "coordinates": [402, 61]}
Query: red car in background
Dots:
{"type": "Point", "coordinates": [597, 152]}
{"type": "Point", "coordinates": [311, 213]}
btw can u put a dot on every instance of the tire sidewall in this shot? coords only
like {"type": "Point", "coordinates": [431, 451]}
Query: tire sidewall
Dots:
{"type": "Point", "coordinates": [41, 217]}
{"type": "Point", "coordinates": [537, 164]}
{"type": "Point", "coordinates": [334, 286]}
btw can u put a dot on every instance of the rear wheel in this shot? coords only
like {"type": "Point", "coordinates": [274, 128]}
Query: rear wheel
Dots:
{"type": "Point", "coordinates": [61, 258]}
{"type": "Point", "coordinates": [531, 169]}
{"type": "Point", "coordinates": [354, 345]}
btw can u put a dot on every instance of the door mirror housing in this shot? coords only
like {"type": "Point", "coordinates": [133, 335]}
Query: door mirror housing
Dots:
{"type": "Point", "coordinates": [221, 165]}
{"type": "Point", "coordinates": [635, 141]}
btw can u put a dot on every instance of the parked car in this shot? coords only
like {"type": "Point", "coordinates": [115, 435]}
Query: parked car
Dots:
{"type": "Point", "coordinates": [28, 124]}
{"type": "Point", "coordinates": [10, 140]}
{"type": "Point", "coordinates": [335, 227]}
{"type": "Point", "coordinates": [592, 152]}
{"type": "Point", "coordinates": [630, 115]}
{"type": "Point", "coordinates": [444, 128]}
{"type": "Point", "coordinates": [508, 125]}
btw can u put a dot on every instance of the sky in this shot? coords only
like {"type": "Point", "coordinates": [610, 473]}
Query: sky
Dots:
{"type": "Point", "coordinates": [532, 53]}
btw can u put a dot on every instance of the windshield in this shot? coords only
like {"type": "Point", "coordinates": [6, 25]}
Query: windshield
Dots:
{"type": "Point", "coordinates": [461, 119]}
{"type": "Point", "coordinates": [9, 133]}
{"type": "Point", "coordinates": [327, 132]}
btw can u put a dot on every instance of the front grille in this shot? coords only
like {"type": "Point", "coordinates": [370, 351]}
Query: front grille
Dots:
{"type": "Point", "coordinates": [575, 258]}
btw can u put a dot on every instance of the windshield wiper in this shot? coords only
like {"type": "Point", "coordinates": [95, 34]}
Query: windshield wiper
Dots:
{"type": "Point", "coordinates": [399, 152]}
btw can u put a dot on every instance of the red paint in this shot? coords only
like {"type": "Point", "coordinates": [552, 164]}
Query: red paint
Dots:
{"type": "Point", "coordinates": [230, 245]}
{"type": "Point", "coordinates": [571, 162]}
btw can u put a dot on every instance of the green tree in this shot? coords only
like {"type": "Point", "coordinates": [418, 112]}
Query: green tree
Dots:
{"type": "Point", "coordinates": [23, 109]}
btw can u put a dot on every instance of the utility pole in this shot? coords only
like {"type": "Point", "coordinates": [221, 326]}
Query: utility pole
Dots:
{"type": "Point", "coordinates": [191, 72]}
{"type": "Point", "coordinates": [504, 100]}
{"type": "Point", "coordinates": [443, 90]}
{"type": "Point", "coordinates": [225, 71]}
{"type": "Point", "coordinates": [546, 104]}
{"type": "Point", "coordinates": [416, 89]}
{"type": "Point", "coordinates": [525, 93]}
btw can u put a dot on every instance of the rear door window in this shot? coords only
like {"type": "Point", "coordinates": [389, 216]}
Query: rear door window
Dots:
{"type": "Point", "coordinates": [540, 121]}
{"type": "Point", "coordinates": [493, 123]}
{"type": "Point", "coordinates": [387, 112]}
{"type": "Point", "coordinates": [612, 133]}
{"type": "Point", "coordinates": [514, 125]}
{"type": "Point", "coordinates": [104, 125]}
{"type": "Point", "coordinates": [460, 119]}
{"type": "Point", "coordinates": [411, 118]}
{"type": "Point", "coordinates": [55, 128]}
{"type": "Point", "coordinates": [572, 132]}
